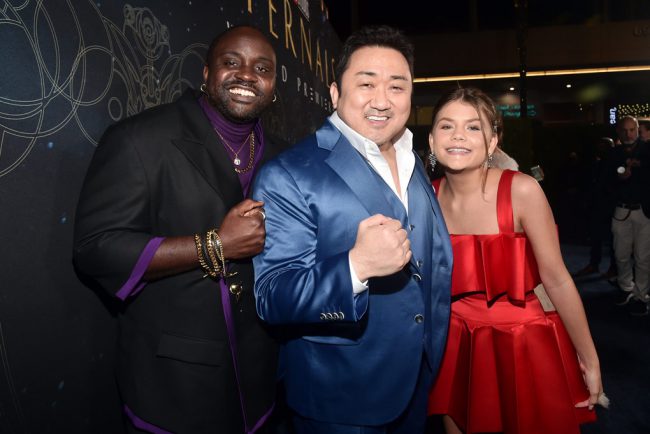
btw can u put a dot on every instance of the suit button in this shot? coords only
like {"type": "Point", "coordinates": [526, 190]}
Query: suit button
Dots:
{"type": "Point", "coordinates": [420, 264]}
{"type": "Point", "coordinates": [341, 315]}
{"type": "Point", "coordinates": [418, 318]}
{"type": "Point", "coordinates": [323, 316]}
{"type": "Point", "coordinates": [335, 315]}
{"type": "Point", "coordinates": [411, 227]}
{"type": "Point", "coordinates": [417, 277]}
{"type": "Point", "coordinates": [329, 315]}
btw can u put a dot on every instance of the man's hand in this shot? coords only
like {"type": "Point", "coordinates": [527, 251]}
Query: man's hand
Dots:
{"type": "Point", "coordinates": [382, 247]}
{"type": "Point", "coordinates": [242, 230]}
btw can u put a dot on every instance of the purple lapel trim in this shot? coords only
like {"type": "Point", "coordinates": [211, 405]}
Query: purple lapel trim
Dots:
{"type": "Point", "coordinates": [135, 284]}
{"type": "Point", "coordinates": [230, 326]}
{"type": "Point", "coordinates": [141, 424]}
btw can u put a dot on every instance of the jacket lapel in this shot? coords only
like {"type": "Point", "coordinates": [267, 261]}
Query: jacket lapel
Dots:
{"type": "Point", "coordinates": [440, 226]}
{"type": "Point", "coordinates": [203, 149]}
{"type": "Point", "coordinates": [355, 171]}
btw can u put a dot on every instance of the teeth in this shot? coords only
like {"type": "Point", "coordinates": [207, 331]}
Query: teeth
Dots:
{"type": "Point", "coordinates": [242, 92]}
{"type": "Point", "coordinates": [377, 118]}
{"type": "Point", "coordinates": [458, 150]}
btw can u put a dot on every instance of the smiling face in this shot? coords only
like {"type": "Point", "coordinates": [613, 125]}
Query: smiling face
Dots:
{"type": "Point", "coordinates": [460, 138]}
{"type": "Point", "coordinates": [240, 76]}
{"type": "Point", "coordinates": [375, 94]}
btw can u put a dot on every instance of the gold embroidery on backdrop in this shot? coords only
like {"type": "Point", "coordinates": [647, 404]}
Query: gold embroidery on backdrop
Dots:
{"type": "Point", "coordinates": [72, 62]}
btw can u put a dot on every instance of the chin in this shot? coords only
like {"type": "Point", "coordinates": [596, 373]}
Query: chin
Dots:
{"type": "Point", "coordinates": [242, 114]}
{"type": "Point", "coordinates": [459, 168]}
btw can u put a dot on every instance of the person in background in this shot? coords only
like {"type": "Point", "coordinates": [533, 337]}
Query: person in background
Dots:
{"type": "Point", "coordinates": [628, 175]}
{"type": "Point", "coordinates": [644, 130]}
{"type": "Point", "coordinates": [508, 365]}
{"type": "Point", "coordinates": [357, 261]}
{"type": "Point", "coordinates": [164, 224]}
{"type": "Point", "coordinates": [599, 208]}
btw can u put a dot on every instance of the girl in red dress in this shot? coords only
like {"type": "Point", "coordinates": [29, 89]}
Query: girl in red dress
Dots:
{"type": "Point", "coordinates": [508, 365]}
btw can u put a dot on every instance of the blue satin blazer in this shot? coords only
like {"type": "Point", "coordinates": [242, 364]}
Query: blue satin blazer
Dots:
{"type": "Point", "coordinates": [348, 359]}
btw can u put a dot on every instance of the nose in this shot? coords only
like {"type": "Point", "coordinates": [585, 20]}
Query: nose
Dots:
{"type": "Point", "coordinates": [246, 72]}
{"type": "Point", "coordinates": [458, 134]}
{"type": "Point", "coordinates": [380, 100]}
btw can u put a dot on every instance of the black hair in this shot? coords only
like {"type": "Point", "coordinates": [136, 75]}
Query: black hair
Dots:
{"type": "Point", "coordinates": [377, 36]}
{"type": "Point", "coordinates": [215, 41]}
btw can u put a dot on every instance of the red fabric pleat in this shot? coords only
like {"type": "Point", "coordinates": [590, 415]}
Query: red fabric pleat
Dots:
{"type": "Point", "coordinates": [496, 264]}
{"type": "Point", "coordinates": [509, 368]}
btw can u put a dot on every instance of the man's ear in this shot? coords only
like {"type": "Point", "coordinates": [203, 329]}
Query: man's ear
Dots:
{"type": "Point", "coordinates": [334, 94]}
{"type": "Point", "coordinates": [205, 73]}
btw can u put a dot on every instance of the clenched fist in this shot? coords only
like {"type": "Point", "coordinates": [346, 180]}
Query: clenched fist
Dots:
{"type": "Point", "coordinates": [382, 247]}
{"type": "Point", "coordinates": [242, 230]}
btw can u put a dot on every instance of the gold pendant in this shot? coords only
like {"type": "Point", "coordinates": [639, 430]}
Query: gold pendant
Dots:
{"type": "Point", "coordinates": [235, 289]}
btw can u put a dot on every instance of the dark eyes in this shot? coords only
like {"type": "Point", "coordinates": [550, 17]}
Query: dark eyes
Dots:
{"type": "Point", "coordinates": [371, 85]}
{"type": "Point", "coordinates": [232, 64]}
{"type": "Point", "coordinates": [469, 127]}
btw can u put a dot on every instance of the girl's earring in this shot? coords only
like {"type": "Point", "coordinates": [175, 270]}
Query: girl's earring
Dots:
{"type": "Point", "coordinates": [433, 160]}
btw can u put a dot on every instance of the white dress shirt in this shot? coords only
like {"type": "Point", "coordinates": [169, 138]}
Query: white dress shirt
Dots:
{"type": "Point", "coordinates": [370, 151]}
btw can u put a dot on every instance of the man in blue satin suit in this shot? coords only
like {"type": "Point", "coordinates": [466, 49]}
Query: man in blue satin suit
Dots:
{"type": "Point", "coordinates": [357, 260]}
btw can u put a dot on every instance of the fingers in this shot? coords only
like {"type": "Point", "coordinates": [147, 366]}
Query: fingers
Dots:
{"type": "Point", "coordinates": [393, 224]}
{"type": "Point", "coordinates": [407, 258]}
{"type": "Point", "coordinates": [589, 402]}
{"type": "Point", "coordinates": [582, 404]}
{"type": "Point", "coordinates": [247, 205]}
{"type": "Point", "coordinates": [374, 220]}
{"type": "Point", "coordinates": [256, 212]}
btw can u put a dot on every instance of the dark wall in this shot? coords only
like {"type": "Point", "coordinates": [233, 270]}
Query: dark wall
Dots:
{"type": "Point", "coordinates": [68, 70]}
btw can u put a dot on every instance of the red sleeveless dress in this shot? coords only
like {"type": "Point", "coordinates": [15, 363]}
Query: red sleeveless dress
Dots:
{"type": "Point", "coordinates": [508, 365]}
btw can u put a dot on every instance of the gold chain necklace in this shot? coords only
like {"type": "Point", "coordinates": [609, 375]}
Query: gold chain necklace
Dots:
{"type": "Point", "coordinates": [236, 161]}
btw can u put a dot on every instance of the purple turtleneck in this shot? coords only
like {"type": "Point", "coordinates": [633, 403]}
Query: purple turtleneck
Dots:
{"type": "Point", "coordinates": [235, 135]}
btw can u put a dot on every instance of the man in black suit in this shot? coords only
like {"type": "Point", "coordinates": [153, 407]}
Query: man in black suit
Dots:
{"type": "Point", "coordinates": [163, 224]}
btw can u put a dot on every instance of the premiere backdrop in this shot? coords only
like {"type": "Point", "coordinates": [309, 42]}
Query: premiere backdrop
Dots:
{"type": "Point", "coordinates": [69, 69]}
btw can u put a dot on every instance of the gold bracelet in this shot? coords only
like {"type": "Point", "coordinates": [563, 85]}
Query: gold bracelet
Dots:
{"type": "Point", "coordinates": [219, 252]}
{"type": "Point", "coordinates": [199, 252]}
{"type": "Point", "coordinates": [212, 252]}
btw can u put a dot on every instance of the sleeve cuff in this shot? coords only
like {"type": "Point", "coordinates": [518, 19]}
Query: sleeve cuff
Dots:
{"type": "Point", "coordinates": [357, 286]}
{"type": "Point", "coordinates": [134, 284]}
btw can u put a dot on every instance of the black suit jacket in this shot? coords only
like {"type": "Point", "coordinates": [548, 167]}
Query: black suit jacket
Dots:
{"type": "Point", "coordinates": [165, 173]}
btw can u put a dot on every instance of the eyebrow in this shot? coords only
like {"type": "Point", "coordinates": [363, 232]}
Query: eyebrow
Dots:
{"type": "Point", "coordinates": [451, 120]}
{"type": "Point", "coordinates": [239, 54]}
{"type": "Point", "coordinates": [374, 74]}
